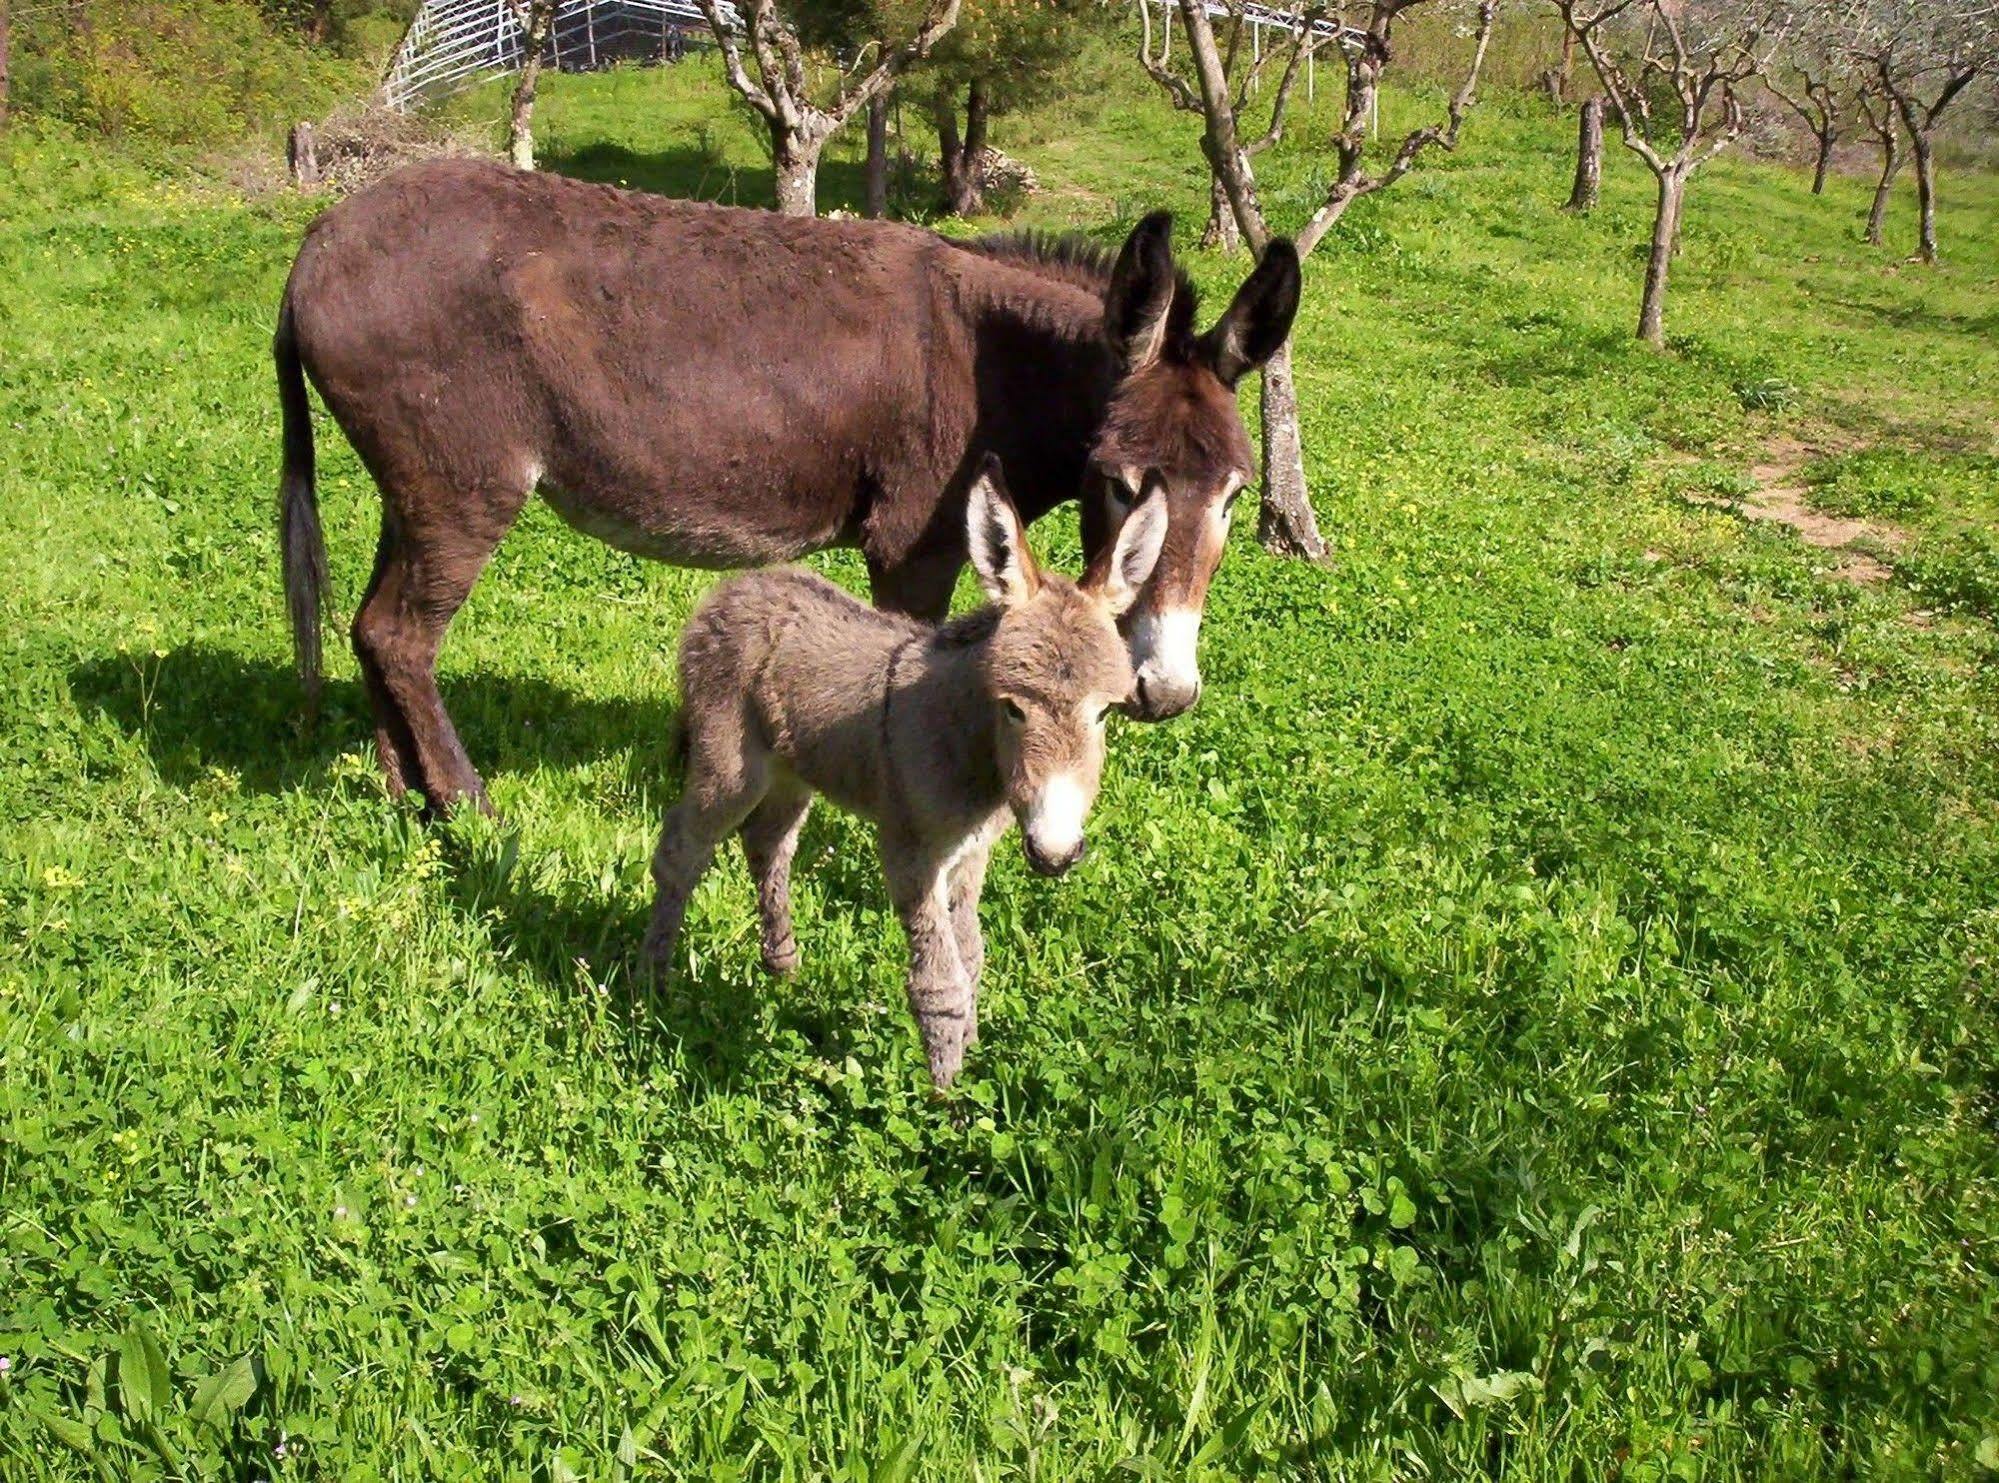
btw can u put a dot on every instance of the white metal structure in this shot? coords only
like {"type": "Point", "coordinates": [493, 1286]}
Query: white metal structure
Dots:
{"type": "Point", "coordinates": [454, 43]}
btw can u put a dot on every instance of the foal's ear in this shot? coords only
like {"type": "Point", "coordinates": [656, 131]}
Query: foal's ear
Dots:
{"type": "Point", "coordinates": [1135, 552]}
{"type": "Point", "coordinates": [1256, 323]}
{"type": "Point", "coordinates": [1139, 304]}
{"type": "Point", "coordinates": [998, 540]}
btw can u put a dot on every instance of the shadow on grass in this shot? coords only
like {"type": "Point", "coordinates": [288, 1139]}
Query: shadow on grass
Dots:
{"type": "Point", "coordinates": [201, 708]}
{"type": "Point", "coordinates": [693, 174]}
{"type": "Point", "coordinates": [711, 1020]}
{"type": "Point", "coordinates": [714, 1017]}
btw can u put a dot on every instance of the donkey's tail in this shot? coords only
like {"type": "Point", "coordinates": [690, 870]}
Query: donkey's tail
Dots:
{"type": "Point", "coordinates": [299, 536]}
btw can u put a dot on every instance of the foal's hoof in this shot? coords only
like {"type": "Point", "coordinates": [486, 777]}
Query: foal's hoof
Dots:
{"type": "Point", "coordinates": [781, 960]}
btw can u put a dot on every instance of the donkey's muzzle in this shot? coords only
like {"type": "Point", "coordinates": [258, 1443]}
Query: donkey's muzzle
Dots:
{"type": "Point", "coordinates": [1046, 864]}
{"type": "Point", "coordinates": [1161, 697]}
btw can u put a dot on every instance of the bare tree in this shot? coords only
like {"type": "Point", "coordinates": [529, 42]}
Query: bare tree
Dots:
{"type": "Point", "coordinates": [1224, 90]}
{"type": "Point", "coordinates": [1810, 80]}
{"type": "Point", "coordinates": [1242, 68]}
{"type": "Point", "coordinates": [1880, 116]}
{"type": "Point", "coordinates": [1922, 55]}
{"type": "Point", "coordinates": [1698, 53]}
{"type": "Point", "coordinates": [4, 47]}
{"type": "Point", "coordinates": [536, 18]}
{"type": "Point", "coordinates": [781, 90]}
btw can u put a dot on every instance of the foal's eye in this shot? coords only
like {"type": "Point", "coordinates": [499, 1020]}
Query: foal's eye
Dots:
{"type": "Point", "coordinates": [1013, 711]}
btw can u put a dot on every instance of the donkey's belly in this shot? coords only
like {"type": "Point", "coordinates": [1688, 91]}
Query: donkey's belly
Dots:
{"type": "Point", "coordinates": [684, 534]}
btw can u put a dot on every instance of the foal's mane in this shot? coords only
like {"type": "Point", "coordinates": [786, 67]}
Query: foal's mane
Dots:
{"type": "Point", "coordinates": [1067, 257]}
{"type": "Point", "coordinates": [967, 630]}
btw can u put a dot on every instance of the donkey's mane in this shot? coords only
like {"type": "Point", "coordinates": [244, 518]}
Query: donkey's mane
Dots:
{"type": "Point", "coordinates": [1068, 257]}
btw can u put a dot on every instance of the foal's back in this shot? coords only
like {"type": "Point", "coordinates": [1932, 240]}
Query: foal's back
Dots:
{"type": "Point", "coordinates": [804, 664]}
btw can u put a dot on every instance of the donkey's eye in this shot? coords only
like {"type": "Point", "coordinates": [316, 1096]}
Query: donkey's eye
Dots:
{"type": "Point", "coordinates": [1013, 711]}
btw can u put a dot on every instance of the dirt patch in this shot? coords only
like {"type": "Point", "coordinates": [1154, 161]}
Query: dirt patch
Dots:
{"type": "Point", "coordinates": [1780, 497]}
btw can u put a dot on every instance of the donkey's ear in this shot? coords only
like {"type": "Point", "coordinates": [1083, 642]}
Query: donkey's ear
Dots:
{"type": "Point", "coordinates": [1136, 551]}
{"type": "Point", "coordinates": [1249, 333]}
{"type": "Point", "coordinates": [1138, 305]}
{"type": "Point", "coordinates": [998, 540]}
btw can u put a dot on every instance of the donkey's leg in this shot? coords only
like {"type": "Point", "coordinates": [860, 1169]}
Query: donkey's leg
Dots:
{"type": "Point", "coordinates": [426, 570]}
{"type": "Point", "coordinates": [723, 785]}
{"type": "Point", "coordinates": [770, 839]}
{"type": "Point", "coordinates": [393, 742]}
{"type": "Point", "coordinates": [939, 995]}
{"type": "Point", "coordinates": [968, 880]}
{"type": "Point", "coordinates": [919, 585]}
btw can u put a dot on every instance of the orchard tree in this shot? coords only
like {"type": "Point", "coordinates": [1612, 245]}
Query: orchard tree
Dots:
{"type": "Point", "coordinates": [1242, 68]}
{"type": "Point", "coordinates": [782, 90]}
{"type": "Point", "coordinates": [1003, 55]}
{"type": "Point", "coordinates": [1224, 98]}
{"type": "Point", "coordinates": [1673, 70]}
{"type": "Point", "coordinates": [535, 18]}
{"type": "Point", "coordinates": [1922, 55]}
{"type": "Point", "coordinates": [1879, 112]}
{"type": "Point", "coordinates": [1811, 79]}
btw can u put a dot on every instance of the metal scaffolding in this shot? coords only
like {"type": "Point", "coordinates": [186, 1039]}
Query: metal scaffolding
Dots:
{"type": "Point", "coordinates": [453, 44]}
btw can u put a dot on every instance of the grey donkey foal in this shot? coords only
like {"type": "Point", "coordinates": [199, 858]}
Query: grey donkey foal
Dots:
{"type": "Point", "coordinates": [790, 686]}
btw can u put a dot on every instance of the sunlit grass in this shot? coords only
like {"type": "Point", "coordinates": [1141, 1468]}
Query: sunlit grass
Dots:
{"type": "Point", "coordinates": [1536, 1014]}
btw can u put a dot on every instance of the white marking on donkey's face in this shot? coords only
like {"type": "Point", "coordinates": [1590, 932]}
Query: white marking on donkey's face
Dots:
{"type": "Point", "coordinates": [1165, 653]}
{"type": "Point", "coordinates": [1054, 821]}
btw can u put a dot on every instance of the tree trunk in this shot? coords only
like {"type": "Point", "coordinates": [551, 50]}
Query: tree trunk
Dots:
{"type": "Point", "coordinates": [1824, 164]}
{"type": "Point", "coordinates": [1891, 162]}
{"type": "Point", "coordinates": [963, 160]}
{"type": "Point", "coordinates": [520, 125]}
{"type": "Point", "coordinates": [1221, 230]}
{"type": "Point", "coordinates": [320, 29]}
{"type": "Point", "coordinates": [877, 179]}
{"type": "Point", "coordinates": [1926, 197]}
{"type": "Point", "coordinates": [1589, 157]}
{"type": "Point", "coordinates": [1665, 233]}
{"type": "Point", "coordinates": [303, 157]}
{"type": "Point", "coordinates": [1285, 523]}
{"type": "Point", "coordinates": [796, 160]}
{"type": "Point", "coordinates": [4, 39]}
{"type": "Point", "coordinates": [1568, 63]}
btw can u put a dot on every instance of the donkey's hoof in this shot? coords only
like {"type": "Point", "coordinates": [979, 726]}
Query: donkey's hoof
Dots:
{"type": "Point", "coordinates": [781, 960]}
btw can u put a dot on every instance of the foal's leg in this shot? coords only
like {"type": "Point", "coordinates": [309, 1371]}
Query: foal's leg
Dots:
{"type": "Point", "coordinates": [968, 880]}
{"type": "Point", "coordinates": [434, 544]}
{"type": "Point", "coordinates": [939, 995]}
{"type": "Point", "coordinates": [723, 785]}
{"type": "Point", "coordinates": [770, 839]}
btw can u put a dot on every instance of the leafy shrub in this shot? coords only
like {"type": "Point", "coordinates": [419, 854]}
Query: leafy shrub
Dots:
{"type": "Point", "coordinates": [1896, 482]}
{"type": "Point", "coordinates": [174, 75]}
{"type": "Point", "coordinates": [1958, 570]}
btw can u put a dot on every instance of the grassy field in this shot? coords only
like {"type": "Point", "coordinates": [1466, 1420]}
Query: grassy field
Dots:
{"type": "Point", "coordinates": [1536, 1016]}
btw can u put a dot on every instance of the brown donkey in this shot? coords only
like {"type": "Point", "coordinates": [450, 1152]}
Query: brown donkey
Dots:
{"type": "Point", "coordinates": [790, 687]}
{"type": "Point", "coordinates": [726, 388]}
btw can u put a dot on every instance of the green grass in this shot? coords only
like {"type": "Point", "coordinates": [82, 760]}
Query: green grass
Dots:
{"type": "Point", "coordinates": [1536, 1015]}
